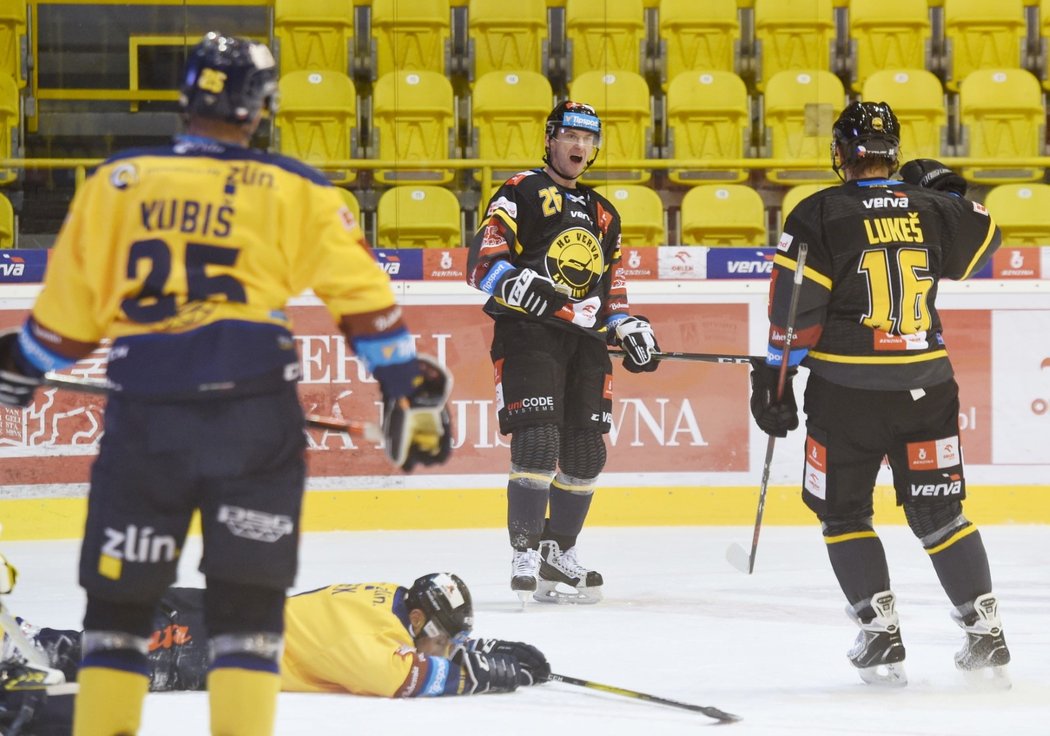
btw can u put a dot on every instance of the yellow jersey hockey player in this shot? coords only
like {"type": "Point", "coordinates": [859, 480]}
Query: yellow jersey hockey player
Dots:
{"type": "Point", "coordinates": [184, 256]}
{"type": "Point", "coordinates": [377, 639]}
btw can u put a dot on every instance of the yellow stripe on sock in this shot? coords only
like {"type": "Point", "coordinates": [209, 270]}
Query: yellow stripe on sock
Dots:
{"type": "Point", "coordinates": [243, 702]}
{"type": "Point", "coordinates": [108, 702]}
{"type": "Point", "coordinates": [849, 537]}
{"type": "Point", "coordinates": [964, 532]}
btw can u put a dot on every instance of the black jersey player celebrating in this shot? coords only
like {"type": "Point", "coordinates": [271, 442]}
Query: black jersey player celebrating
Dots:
{"type": "Point", "coordinates": [880, 381]}
{"type": "Point", "coordinates": [548, 254]}
{"type": "Point", "coordinates": [185, 256]}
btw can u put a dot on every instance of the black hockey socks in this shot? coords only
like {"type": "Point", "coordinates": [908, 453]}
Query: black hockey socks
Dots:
{"type": "Point", "coordinates": [526, 507]}
{"type": "Point", "coordinates": [570, 500]}
{"type": "Point", "coordinates": [961, 564]}
{"type": "Point", "coordinates": [859, 562]}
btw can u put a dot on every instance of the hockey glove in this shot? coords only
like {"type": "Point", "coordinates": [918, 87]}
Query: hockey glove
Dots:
{"type": "Point", "coordinates": [533, 666]}
{"type": "Point", "coordinates": [417, 427]}
{"type": "Point", "coordinates": [486, 673]}
{"type": "Point", "coordinates": [931, 174]}
{"type": "Point", "coordinates": [773, 417]}
{"type": "Point", "coordinates": [635, 336]}
{"type": "Point", "coordinates": [16, 387]}
{"type": "Point", "coordinates": [527, 290]}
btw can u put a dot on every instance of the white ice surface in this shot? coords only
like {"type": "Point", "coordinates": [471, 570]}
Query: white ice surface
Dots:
{"type": "Point", "coordinates": [677, 621]}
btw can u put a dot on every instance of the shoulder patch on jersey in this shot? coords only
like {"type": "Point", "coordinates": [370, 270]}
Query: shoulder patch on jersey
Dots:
{"type": "Point", "coordinates": [124, 175]}
{"type": "Point", "coordinates": [512, 181]}
{"type": "Point", "coordinates": [785, 241]}
{"type": "Point", "coordinates": [503, 204]}
{"type": "Point", "coordinates": [980, 209]}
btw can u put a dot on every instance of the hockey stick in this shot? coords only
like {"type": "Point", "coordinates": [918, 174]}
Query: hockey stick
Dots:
{"type": "Point", "coordinates": [736, 555]}
{"type": "Point", "coordinates": [709, 711]}
{"type": "Point", "coordinates": [363, 430]}
{"type": "Point", "coordinates": [698, 357]}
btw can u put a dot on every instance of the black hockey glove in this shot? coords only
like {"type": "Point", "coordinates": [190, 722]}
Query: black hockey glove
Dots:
{"type": "Point", "coordinates": [932, 174]}
{"type": "Point", "coordinates": [527, 290]}
{"type": "Point", "coordinates": [772, 417]}
{"type": "Point", "coordinates": [533, 666]}
{"type": "Point", "coordinates": [417, 427]}
{"type": "Point", "coordinates": [16, 387]}
{"type": "Point", "coordinates": [486, 673]}
{"type": "Point", "coordinates": [635, 336]}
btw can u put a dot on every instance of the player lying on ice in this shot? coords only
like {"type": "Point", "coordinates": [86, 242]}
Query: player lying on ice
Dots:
{"type": "Point", "coordinates": [361, 638]}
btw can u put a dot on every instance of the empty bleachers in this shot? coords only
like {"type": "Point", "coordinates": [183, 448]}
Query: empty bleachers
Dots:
{"type": "Point", "coordinates": [440, 87]}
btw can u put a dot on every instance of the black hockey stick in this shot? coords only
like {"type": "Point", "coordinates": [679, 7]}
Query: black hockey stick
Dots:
{"type": "Point", "coordinates": [719, 715]}
{"type": "Point", "coordinates": [362, 430]}
{"type": "Point", "coordinates": [736, 555]}
{"type": "Point", "coordinates": [698, 357]}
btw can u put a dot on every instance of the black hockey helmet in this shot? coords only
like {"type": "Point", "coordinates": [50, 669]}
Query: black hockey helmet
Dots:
{"type": "Point", "coordinates": [228, 78]}
{"type": "Point", "coordinates": [577, 116]}
{"type": "Point", "coordinates": [865, 130]}
{"type": "Point", "coordinates": [445, 600]}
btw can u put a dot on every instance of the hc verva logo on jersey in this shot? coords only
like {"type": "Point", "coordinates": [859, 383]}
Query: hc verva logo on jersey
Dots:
{"type": "Point", "coordinates": [138, 545]}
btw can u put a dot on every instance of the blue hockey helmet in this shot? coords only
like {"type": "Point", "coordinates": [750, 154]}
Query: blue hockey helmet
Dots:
{"type": "Point", "coordinates": [228, 78]}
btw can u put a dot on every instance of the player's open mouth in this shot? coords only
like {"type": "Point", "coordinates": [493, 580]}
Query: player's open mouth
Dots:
{"type": "Point", "coordinates": [576, 159]}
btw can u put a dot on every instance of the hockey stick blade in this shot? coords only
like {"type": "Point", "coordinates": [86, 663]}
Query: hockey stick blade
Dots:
{"type": "Point", "coordinates": [99, 386]}
{"type": "Point", "coordinates": [739, 558]}
{"type": "Point", "coordinates": [711, 712]}
{"type": "Point", "coordinates": [698, 357]}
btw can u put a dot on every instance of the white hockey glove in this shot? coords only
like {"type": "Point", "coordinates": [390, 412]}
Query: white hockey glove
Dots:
{"type": "Point", "coordinates": [635, 336]}
{"type": "Point", "coordinates": [535, 294]}
{"type": "Point", "coordinates": [417, 427]}
{"type": "Point", "coordinates": [16, 388]}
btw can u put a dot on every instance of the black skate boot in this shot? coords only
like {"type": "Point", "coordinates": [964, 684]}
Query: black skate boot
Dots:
{"type": "Point", "coordinates": [878, 652]}
{"type": "Point", "coordinates": [984, 655]}
{"type": "Point", "coordinates": [563, 579]}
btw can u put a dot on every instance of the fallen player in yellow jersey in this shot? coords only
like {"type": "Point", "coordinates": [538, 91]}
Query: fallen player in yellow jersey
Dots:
{"type": "Point", "coordinates": [377, 639]}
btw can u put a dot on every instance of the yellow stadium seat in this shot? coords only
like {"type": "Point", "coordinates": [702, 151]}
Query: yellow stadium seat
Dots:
{"type": "Point", "coordinates": [641, 214]}
{"type": "Point", "coordinates": [413, 116]}
{"type": "Point", "coordinates": [351, 204]}
{"type": "Point", "coordinates": [708, 117]}
{"type": "Point", "coordinates": [317, 119]}
{"type": "Point", "coordinates": [700, 36]}
{"type": "Point", "coordinates": [10, 126]}
{"type": "Point", "coordinates": [887, 34]}
{"type": "Point", "coordinates": [507, 41]}
{"type": "Point", "coordinates": [917, 100]}
{"type": "Point", "coordinates": [622, 101]}
{"type": "Point", "coordinates": [1001, 117]}
{"type": "Point", "coordinates": [316, 35]}
{"type": "Point", "coordinates": [7, 223]}
{"type": "Point", "coordinates": [411, 35]}
{"type": "Point", "coordinates": [800, 108]}
{"type": "Point", "coordinates": [1044, 42]}
{"type": "Point", "coordinates": [510, 110]}
{"type": "Point", "coordinates": [14, 44]}
{"type": "Point", "coordinates": [421, 216]}
{"type": "Point", "coordinates": [604, 35]}
{"type": "Point", "coordinates": [723, 214]}
{"type": "Point", "coordinates": [795, 34]}
{"type": "Point", "coordinates": [796, 194]}
{"type": "Point", "coordinates": [982, 34]}
{"type": "Point", "coordinates": [1021, 210]}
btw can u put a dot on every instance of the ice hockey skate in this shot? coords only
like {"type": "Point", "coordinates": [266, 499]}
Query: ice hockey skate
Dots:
{"type": "Point", "coordinates": [525, 571]}
{"type": "Point", "coordinates": [878, 652]}
{"type": "Point", "coordinates": [984, 655]}
{"type": "Point", "coordinates": [563, 579]}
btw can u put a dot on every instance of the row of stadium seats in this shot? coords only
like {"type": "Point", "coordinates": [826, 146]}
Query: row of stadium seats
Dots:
{"type": "Point", "coordinates": [854, 39]}
{"type": "Point", "coordinates": [429, 216]}
{"type": "Point", "coordinates": [708, 117]}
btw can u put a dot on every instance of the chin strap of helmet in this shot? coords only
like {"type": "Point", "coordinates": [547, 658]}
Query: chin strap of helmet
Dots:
{"type": "Point", "coordinates": [547, 160]}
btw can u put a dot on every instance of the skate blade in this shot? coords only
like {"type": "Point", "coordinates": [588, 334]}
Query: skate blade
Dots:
{"type": "Point", "coordinates": [884, 675]}
{"type": "Point", "coordinates": [561, 593]}
{"type": "Point", "coordinates": [988, 678]}
{"type": "Point", "coordinates": [523, 596]}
